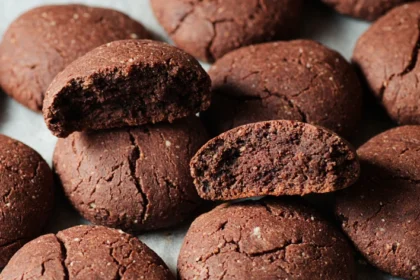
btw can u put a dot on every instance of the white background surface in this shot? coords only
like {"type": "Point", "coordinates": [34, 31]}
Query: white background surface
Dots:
{"type": "Point", "coordinates": [337, 32]}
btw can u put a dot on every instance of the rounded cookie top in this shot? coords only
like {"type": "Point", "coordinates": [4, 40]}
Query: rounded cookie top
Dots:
{"type": "Point", "coordinates": [366, 9]}
{"type": "Point", "coordinates": [41, 42]}
{"type": "Point", "coordinates": [381, 212]}
{"type": "Point", "coordinates": [86, 252]}
{"type": "Point", "coordinates": [269, 239]}
{"type": "Point", "coordinates": [26, 191]}
{"type": "Point", "coordinates": [126, 83]}
{"type": "Point", "coordinates": [210, 29]}
{"type": "Point", "coordinates": [273, 158]}
{"type": "Point", "coordinates": [386, 54]}
{"type": "Point", "coordinates": [135, 179]}
{"type": "Point", "coordinates": [297, 80]}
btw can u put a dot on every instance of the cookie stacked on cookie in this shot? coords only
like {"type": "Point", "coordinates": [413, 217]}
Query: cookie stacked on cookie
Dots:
{"type": "Point", "coordinates": [127, 110]}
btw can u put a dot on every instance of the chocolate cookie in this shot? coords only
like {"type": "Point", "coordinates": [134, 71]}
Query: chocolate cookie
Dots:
{"type": "Point", "coordinates": [135, 179]}
{"type": "Point", "coordinates": [126, 83]}
{"type": "Point", "coordinates": [364, 9]}
{"type": "Point", "coordinates": [273, 158]}
{"type": "Point", "coordinates": [269, 239]}
{"type": "Point", "coordinates": [26, 192]}
{"type": "Point", "coordinates": [387, 56]}
{"type": "Point", "coordinates": [210, 29]}
{"type": "Point", "coordinates": [381, 213]}
{"type": "Point", "coordinates": [41, 42]}
{"type": "Point", "coordinates": [298, 80]}
{"type": "Point", "coordinates": [86, 252]}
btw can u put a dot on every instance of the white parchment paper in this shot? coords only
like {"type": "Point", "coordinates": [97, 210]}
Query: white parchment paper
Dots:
{"type": "Point", "coordinates": [337, 32]}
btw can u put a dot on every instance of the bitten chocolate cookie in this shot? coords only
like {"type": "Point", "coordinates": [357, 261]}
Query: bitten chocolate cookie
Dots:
{"type": "Point", "coordinates": [126, 83]}
{"type": "Point", "coordinates": [86, 252]}
{"type": "Point", "coordinates": [269, 239]}
{"type": "Point", "coordinates": [41, 42]}
{"type": "Point", "coordinates": [387, 57]}
{"type": "Point", "coordinates": [26, 192]}
{"type": "Point", "coordinates": [381, 213]}
{"type": "Point", "coordinates": [364, 9]}
{"type": "Point", "coordinates": [298, 80]}
{"type": "Point", "coordinates": [135, 179]}
{"type": "Point", "coordinates": [273, 158]}
{"type": "Point", "coordinates": [210, 29]}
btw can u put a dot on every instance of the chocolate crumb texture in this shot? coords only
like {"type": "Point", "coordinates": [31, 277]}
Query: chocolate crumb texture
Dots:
{"type": "Point", "coordinates": [381, 212]}
{"type": "Point", "coordinates": [269, 239]}
{"type": "Point", "coordinates": [126, 83]}
{"type": "Point", "coordinates": [43, 41]}
{"type": "Point", "coordinates": [210, 29]}
{"type": "Point", "coordinates": [86, 252]}
{"type": "Point", "coordinates": [136, 179]}
{"type": "Point", "coordinates": [273, 158]}
{"type": "Point", "coordinates": [297, 80]}
{"type": "Point", "coordinates": [26, 196]}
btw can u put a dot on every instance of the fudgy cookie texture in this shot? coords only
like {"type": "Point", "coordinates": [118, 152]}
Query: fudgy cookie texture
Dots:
{"type": "Point", "coordinates": [26, 192]}
{"type": "Point", "coordinates": [297, 80]}
{"type": "Point", "coordinates": [273, 158]}
{"type": "Point", "coordinates": [41, 42]}
{"type": "Point", "coordinates": [126, 83]}
{"type": "Point", "coordinates": [270, 239]}
{"type": "Point", "coordinates": [86, 252]}
{"type": "Point", "coordinates": [364, 9]}
{"type": "Point", "coordinates": [381, 213]}
{"type": "Point", "coordinates": [387, 56]}
{"type": "Point", "coordinates": [210, 29]}
{"type": "Point", "coordinates": [135, 179]}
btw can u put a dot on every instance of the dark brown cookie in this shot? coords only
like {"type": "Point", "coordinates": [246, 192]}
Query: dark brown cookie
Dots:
{"type": "Point", "coordinates": [270, 239]}
{"type": "Point", "coordinates": [210, 29]}
{"type": "Point", "coordinates": [41, 42]}
{"type": "Point", "coordinates": [381, 213]}
{"type": "Point", "coordinates": [298, 80]}
{"type": "Point", "coordinates": [135, 179]}
{"type": "Point", "coordinates": [26, 192]}
{"type": "Point", "coordinates": [387, 57]}
{"type": "Point", "coordinates": [364, 9]}
{"type": "Point", "coordinates": [273, 158]}
{"type": "Point", "coordinates": [126, 83]}
{"type": "Point", "coordinates": [86, 252]}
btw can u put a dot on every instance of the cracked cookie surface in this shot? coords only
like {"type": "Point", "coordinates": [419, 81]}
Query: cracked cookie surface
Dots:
{"type": "Point", "coordinates": [26, 196]}
{"type": "Point", "coordinates": [297, 80]}
{"type": "Point", "coordinates": [126, 83]}
{"type": "Point", "coordinates": [209, 29]}
{"type": "Point", "coordinates": [43, 41]}
{"type": "Point", "coordinates": [364, 9]}
{"type": "Point", "coordinates": [86, 252]}
{"type": "Point", "coordinates": [268, 239]}
{"type": "Point", "coordinates": [273, 158]}
{"type": "Point", "coordinates": [381, 213]}
{"type": "Point", "coordinates": [136, 179]}
{"type": "Point", "coordinates": [387, 55]}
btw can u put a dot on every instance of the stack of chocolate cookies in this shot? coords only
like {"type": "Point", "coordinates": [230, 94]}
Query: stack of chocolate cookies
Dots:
{"type": "Point", "coordinates": [134, 119]}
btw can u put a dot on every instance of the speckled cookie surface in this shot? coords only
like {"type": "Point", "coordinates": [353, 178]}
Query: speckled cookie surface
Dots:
{"type": "Point", "coordinates": [41, 42]}
{"type": "Point", "coordinates": [381, 213]}
{"type": "Point", "coordinates": [126, 83]}
{"type": "Point", "coordinates": [273, 158]}
{"type": "Point", "coordinates": [135, 179]}
{"type": "Point", "coordinates": [364, 9]}
{"type": "Point", "coordinates": [26, 192]}
{"type": "Point", "coordinates": [272, 239]}
{"type": "Point", "coordinates": [387, 56]}
{"type": "Point", "coordinates": [86, 252]}
{"type": "Point", "coordinates": [210, 29]}
{"type": "Point", "coordinates": [297, 80]}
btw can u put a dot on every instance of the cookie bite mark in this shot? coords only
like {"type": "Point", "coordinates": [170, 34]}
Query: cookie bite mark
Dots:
{"type": "Point", "coordinates": [126, 83]}
{"type": "Point", "coordinates": [273, 158]}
